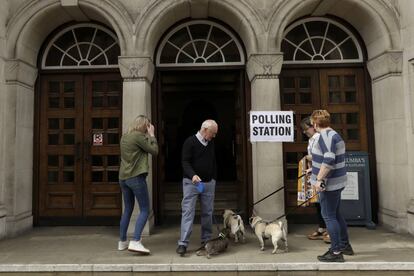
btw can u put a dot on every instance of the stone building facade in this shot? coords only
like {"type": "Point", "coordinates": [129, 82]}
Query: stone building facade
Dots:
{"type": "Point", "coordinates": [53, 169]}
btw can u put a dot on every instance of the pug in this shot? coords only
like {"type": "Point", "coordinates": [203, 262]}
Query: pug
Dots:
{"type": "Point", "coordinates": [215, 246]}
{"type": "Point", "coordinates": [275, 231]}
{"type": "Point", "coordinates": [235, 223]}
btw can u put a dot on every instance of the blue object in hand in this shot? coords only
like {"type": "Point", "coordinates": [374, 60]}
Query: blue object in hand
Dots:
{"type": "Point", "coordinates": [200, 187]}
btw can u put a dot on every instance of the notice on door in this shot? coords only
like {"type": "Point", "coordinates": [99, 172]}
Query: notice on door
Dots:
{"type": "Point", "coordinates": [97, 139]}
{"type": "Point", "coordinates": [271, 126]}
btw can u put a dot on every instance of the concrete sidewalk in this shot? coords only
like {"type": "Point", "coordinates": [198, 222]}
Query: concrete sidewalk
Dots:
{"type": "Point", "coordinates": [94, 249]}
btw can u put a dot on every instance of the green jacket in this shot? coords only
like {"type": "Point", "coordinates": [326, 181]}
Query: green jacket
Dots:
{"type": "Point", "coordinates": [135, 147]}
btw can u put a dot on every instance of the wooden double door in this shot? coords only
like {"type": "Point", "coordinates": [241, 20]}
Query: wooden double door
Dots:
{"type": "Point", "coordinates": [341, 91]}
{"type": "Point", "coordinates": [79, 127]}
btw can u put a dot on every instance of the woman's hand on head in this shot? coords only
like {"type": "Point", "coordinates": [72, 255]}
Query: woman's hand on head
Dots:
{"type": "Point", "coordinates": [150, 130]}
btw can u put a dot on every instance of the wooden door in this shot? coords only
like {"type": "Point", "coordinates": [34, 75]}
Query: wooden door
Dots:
{"type": "Point", "coordinates": [341, 92]}
{"type": "Point", "coordinates": [78, 179]}
{"type": "Point", "coordinates": [102, 117]}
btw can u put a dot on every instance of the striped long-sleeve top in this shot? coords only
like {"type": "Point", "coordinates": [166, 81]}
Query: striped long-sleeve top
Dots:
{"type": "Point", "coordinates": [329, 151]}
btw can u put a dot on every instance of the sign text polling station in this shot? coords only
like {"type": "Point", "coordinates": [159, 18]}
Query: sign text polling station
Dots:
{"type": "Point", "coordinates": [271, 126]}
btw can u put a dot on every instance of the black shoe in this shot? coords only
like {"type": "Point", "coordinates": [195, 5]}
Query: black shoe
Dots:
{"type": "Point", "coordinates": [331, 257]}
{"type": "Point", "coordinates": [347, 250]}
{"type": "Point", "coordinates": [181, 250]}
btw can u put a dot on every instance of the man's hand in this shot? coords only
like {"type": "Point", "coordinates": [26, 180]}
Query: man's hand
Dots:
{"type": "Point", "coordinates": [318, 186]}
{"type": "Point", "coordinates": [196, 179]}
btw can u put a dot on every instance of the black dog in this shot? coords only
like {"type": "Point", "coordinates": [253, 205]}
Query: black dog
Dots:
{"type": "Point", "coordinates": [217, 245]}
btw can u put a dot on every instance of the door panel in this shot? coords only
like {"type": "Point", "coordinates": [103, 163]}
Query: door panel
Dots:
{"type": "Point", "coordinates": [300, 93]}
{"type": "Point", "coordinates": [343, 96]}
{"type": "Point", "coordinates": [60, 168]}
{"type": "Point", "coordinates": [101, 162]}
{"type": "Point", "coordinates": [78, 179]}
{"type": "Point", "coordinates": [341, 92]}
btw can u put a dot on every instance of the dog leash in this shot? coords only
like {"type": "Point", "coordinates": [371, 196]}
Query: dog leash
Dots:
{"type": "Point", "coordinates": [281, 188]}
{"type": "Point", "coordinates": [294, 209]}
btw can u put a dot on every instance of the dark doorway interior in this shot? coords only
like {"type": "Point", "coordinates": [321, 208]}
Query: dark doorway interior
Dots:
{"type": "Point", "coordinates": [187, 98]}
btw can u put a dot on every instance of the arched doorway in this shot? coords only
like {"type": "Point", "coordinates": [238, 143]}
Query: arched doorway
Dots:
{"type": "Point", "coordinates": [78, 126]}
{"type": "Point", "coordinates": [201, 75]}
{"type": "Point", "coordinates": [323, 69]}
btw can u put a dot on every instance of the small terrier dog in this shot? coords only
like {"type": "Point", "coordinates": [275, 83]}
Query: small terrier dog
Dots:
{"type": "Point", "coordinates": [274, 230]}
{"type": "Point", "coordinates": [215, 246]}
{"type": "Point", "coordinates": [235, 223]}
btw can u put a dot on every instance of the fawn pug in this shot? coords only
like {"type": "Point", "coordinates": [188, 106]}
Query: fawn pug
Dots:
{"type": "Point", "coordinates": [275, 231]}
{"type": "Point", "coordinates": [235, 223]}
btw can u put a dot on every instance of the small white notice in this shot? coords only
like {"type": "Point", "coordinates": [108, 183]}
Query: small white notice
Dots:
{"type": "Point", "coordinates": [271, 126]}
{"type": "Point", "coordinates": [351, 190]}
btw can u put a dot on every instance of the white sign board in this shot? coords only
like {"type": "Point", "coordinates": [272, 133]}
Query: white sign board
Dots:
{"type": "Point", "coordinates": [351, 189]}
{"type": "Point", "coordinates": [97, 139]}
{"type": "Point", "coordinates": [271, 126]}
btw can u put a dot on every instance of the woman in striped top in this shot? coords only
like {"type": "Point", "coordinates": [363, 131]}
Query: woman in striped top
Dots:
{"type": "Point", "coordinates": [328, 167]}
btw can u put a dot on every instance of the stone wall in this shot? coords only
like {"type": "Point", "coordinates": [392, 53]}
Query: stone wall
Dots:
{"type": "Point", "coordinates": [386, 28]}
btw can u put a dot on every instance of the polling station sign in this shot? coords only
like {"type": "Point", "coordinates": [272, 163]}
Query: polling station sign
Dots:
{"type": "Point", "coordinates": [271, 126]}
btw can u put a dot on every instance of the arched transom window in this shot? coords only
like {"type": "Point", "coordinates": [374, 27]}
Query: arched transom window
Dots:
{"type": "Point", "coordinates": [84, 46]}
{"type": "Point", "coordinates": [200, 43]}
{"type": "Point", "coordinates": [320, 40]}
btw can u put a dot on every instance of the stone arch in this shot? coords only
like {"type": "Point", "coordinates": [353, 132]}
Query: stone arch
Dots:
{"type": "Point", "coordinates": [160, 15]}
{"type": "Point", "coordinates": [376, 22]}
{"type": "Point", "coordinates": [30, 26]}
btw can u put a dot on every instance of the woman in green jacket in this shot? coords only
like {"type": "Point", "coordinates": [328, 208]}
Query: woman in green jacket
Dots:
{"type": "Point", "coordinates": [135, 145]}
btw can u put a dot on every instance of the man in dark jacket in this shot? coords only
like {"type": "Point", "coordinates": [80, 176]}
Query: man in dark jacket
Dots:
{"type": "Point", "coordinates": [200, 174]}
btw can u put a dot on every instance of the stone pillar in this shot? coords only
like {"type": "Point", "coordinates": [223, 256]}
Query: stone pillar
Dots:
{"type": "Point", "coordinates": [137, 73]}
{"type": "Point", "coordinates": [410, 205]}
{"type": "Point", "coordinates": [16, 165]}
{"type": "Point", "coordinates": [390, 139]}
{"type": "Point", "coordinates": [267, 158]}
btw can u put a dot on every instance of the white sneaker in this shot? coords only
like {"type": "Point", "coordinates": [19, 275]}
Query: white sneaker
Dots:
{"type": "Point", "coordinates": [122, 245]}
{"type": "Point", "coordinates": [137, 246]}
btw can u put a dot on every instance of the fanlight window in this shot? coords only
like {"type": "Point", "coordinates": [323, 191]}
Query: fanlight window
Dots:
{"type": "Point", "coordinates": [320, 40]}
{"type": "Point", "coordinates": [82, 46]}
{"type": "Point", "coordinates": [200, 43]}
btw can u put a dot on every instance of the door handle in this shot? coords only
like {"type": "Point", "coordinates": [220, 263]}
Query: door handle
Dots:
{"type": "Point", "coordinates": [86, 151]}
{"type": "Point", "coordinates": [78, 151]}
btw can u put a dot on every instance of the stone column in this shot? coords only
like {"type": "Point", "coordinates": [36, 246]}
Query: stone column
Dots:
{"type": "Point", "coordinates": [267, 158]}
{"type": "Point", "coordinates": [390, 122]}
{"type": "Point", "coordinates": [137, 73]}
{"type": "Point", "coordinates": [410, 138]}
{"type": "Point", "coordinates": [16, 161]}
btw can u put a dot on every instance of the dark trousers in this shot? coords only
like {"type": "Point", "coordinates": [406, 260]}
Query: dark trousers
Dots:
{"type": "Point", "coordinates": [330, 202]}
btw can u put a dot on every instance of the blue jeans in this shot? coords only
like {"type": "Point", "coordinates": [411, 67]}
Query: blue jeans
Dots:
{"type": "Point", "coordinates": [134, 187]}
{"type": "Point", "coordinates": [188, 204]}
{"type": "Point", "coordinates": [335, 223]}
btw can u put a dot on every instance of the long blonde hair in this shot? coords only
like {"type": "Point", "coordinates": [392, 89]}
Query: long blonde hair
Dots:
{"type": "Point", "coordinates": [139, 124]}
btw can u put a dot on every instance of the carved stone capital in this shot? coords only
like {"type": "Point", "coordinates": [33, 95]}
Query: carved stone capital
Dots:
{"type": "Point", "coordinates": [264, 66]}
{"type": "Point", "coordinates": [387, 64]}
{"type": "Point", "coordinates": [20, 72]}
{"type": "Point", "coordinates": [136, 68]}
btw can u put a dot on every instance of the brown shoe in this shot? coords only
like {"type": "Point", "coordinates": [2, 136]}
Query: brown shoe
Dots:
{"type": "Point", "coordinates": [327, 238]}
{"type": "Point", "coordinates": [316, 235]}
